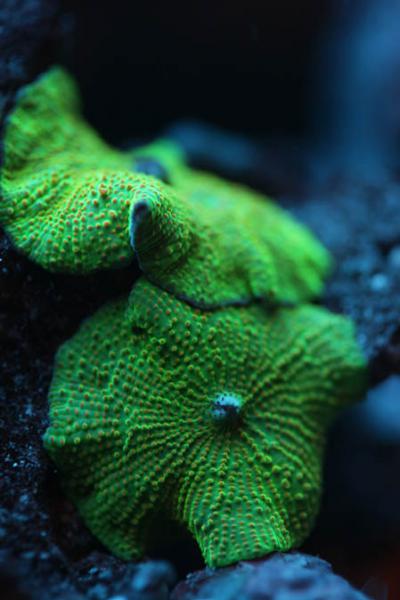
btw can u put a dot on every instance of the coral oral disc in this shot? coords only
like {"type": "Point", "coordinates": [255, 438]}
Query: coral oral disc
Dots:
{"type": "Point", "coordinates": [226, 408]}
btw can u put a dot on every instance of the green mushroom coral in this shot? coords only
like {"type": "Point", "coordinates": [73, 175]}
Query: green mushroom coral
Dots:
{"type": "Point", "coordinates": [63, 189]}
{"type": "Point", "coordinates": [72, 203]}
{"type": "Point", "coordinates": [190, 398]}
{"type": "Point", "coordinates": [217, 419]}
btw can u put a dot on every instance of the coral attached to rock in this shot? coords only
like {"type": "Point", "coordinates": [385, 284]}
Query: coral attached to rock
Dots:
{"type": "Point", "coordinates": [215, 419]}
{"type": "Point", "coordinates": [192, 400]}
{"type": "Point", "coordinates": [69, 200]}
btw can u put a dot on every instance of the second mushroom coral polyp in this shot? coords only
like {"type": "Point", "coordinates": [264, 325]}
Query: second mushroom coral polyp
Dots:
{"type": "Point", "coordinates": [69, 201]}
{"type": "Point", "coordinates": [217, 419]}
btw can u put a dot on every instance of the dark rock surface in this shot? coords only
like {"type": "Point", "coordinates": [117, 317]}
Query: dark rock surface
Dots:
{"type": "Point", "coordinates": [288, 576]}
{"type": "Point", "coordinates": [359, 223]}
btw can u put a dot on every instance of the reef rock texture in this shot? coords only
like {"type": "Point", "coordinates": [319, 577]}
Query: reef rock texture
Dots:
{"type": "Point", "coordinates": [289, 576]}
{"type": "Point", "coordinates": [358, 222]}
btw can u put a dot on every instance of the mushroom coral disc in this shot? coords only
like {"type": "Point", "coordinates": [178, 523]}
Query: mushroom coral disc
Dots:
{"type": "Point", "coordinates": [72, 203]}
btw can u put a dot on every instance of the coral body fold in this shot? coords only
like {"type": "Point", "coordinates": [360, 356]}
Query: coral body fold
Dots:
{"type": "Point", "coordinates": [69, 201]}
{"type": "Point", "coordinates": [66, 195]}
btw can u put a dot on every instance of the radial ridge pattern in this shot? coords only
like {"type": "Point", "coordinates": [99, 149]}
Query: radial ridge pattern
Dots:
{"type": "Point", "coordinates": [217, 419]}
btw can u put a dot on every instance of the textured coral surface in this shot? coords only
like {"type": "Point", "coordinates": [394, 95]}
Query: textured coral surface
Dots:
{"type": "Point", "coordinates": [65, 192]}
{"type": "Point", "coordinates": [216, 418]}
{"type": "Point", "coordinates": [69, 201]}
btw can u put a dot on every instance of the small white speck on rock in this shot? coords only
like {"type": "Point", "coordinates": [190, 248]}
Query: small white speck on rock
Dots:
{"type": "Point", "coordinates": [379, 282]}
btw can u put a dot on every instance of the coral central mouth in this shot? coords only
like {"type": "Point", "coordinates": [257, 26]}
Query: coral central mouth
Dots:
{"type": "Point", "coordinates": [226, 408]}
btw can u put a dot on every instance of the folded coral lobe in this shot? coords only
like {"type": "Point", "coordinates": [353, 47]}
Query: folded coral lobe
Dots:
{"type": "Point", "coordinates": [71, 203]}
{"type": "Point", "coordinates": [228, 244]}
{"type": "Point", "coordinates": [65, 194]}
{"type": "Point", "coordinates": [216, 419]}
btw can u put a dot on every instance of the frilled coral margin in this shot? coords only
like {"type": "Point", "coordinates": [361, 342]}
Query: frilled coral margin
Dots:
{"type": "Point", "coordinates": [141, 420]}
{"type": "Point", "coordinates": [69, 201]}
